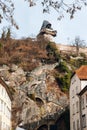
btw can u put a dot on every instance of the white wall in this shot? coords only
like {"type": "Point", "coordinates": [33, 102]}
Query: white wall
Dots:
{"type": "Point", "coordinates": [84, 107]}
{"type": "Point", "coordinates": [5, 109]}
{"type": "Point", "coordinates": [75, 88]}
{"type": "Point", "coordinates": [83, 83]}
{"type": "Point", "coordinates": [18, 128]}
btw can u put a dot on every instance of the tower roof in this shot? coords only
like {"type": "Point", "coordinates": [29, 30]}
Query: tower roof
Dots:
{"type": "Point", "coordinates": [46, 29]}
{"type": "Point", "coordinates": [46, 24]}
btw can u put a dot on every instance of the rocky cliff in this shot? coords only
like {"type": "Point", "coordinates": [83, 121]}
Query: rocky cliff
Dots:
{"type": "Point", "coordinates": [36, 94]}
{"type": "Point", "coordinates": [38, 76]}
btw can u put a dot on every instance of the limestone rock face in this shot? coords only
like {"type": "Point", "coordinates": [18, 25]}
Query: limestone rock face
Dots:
{"type": "Point", "coordinates": [36, 93]}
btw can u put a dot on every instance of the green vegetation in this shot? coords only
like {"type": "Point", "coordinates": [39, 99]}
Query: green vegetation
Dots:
{"type": "Point", "coordinates": [63, 67]}
{"type": "Point", "coordinates": [64, 81]}
{"type": "Point", "coordinates": [52, 51]}
{"type": "Point", "coordinates": [78, 62]}
{"type": "Point", "coordinates": [63, 75]}
{"type": "Point", "coordinates": [66, 67]}
{"type": "Point", "coordinates": [83, 55]}
{"type": "Point", "coordinates": [20, 52]}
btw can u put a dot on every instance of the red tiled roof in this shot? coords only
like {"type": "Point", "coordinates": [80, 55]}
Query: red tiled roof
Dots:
{"type": "Point", "coordinates": [82, 72]}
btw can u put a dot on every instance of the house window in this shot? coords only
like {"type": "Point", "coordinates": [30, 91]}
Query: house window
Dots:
{"type": "Point", "coordinates": [73, 109]}
{"type": "Point", "coordinates": [78, 127]}
{"type": "Point", "coordinates": [74, 126]}
{"type": "Point", "coordinates": [83, 104]}
{"type": "Point", "coordinates": [76, 89]}
{"type": "Point", "coordinates": [86, 99]}
{"type": "Point", "coordinates": [77, 106]}
{"type": "Point", "coordinates": [84, 121]}
{"type": "Point", "coordinates": [72, 93]}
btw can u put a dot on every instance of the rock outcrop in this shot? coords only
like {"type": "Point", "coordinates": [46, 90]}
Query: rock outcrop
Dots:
{"type": "Point", "coordinates": [36, 93]}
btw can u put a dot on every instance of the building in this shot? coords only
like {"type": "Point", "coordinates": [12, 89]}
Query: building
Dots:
{"type": "Point", "coordinates": [47, 32]}
{"type": "Point", "coordinates": [77, 86]}
{"type": "Point", "coordinates": [83, 108]}
{"type": "Point", "coordinates": [5, 106]}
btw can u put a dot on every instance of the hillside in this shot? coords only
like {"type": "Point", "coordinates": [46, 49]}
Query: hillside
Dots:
{"type": "Point", "coordinates": [38, 75]}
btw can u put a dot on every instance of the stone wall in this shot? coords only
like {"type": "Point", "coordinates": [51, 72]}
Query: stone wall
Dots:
{"type": "Point", "coordinates": [69, 49]}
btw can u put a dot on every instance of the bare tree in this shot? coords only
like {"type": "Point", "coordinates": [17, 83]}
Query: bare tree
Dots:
{"type": "Point", "coordinates": [7, 11]}
{"type": "Point", "coordinates": [8, 34]}
{"type": "Point", "coordinates": [61, 6]}
{"type": "Point", "coordinates": [31, 2]}
{"type": "Point", "coordinates": [3, 34]}
{"type": "Point", "coordinates": [78, 43]}
{"type": "Point", "coordinates": [7, 8]}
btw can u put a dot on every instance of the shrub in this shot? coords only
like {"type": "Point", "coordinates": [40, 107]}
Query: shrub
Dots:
{"type": "Point", "coordinates": [52, 51]}
{"type": "Point", "coordinates": [63, 67]}
{"type": "Point", "coordinates": [83, 55]}
{"type": "Point", "coordinates": [63, 80]}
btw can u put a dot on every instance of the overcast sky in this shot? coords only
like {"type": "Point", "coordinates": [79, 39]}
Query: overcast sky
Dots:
{"type": "Point", "coordinates": [30, 21]}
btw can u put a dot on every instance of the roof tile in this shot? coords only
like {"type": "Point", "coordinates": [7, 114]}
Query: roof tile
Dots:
{"type": "Point", "coordinates": [82, 72]}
